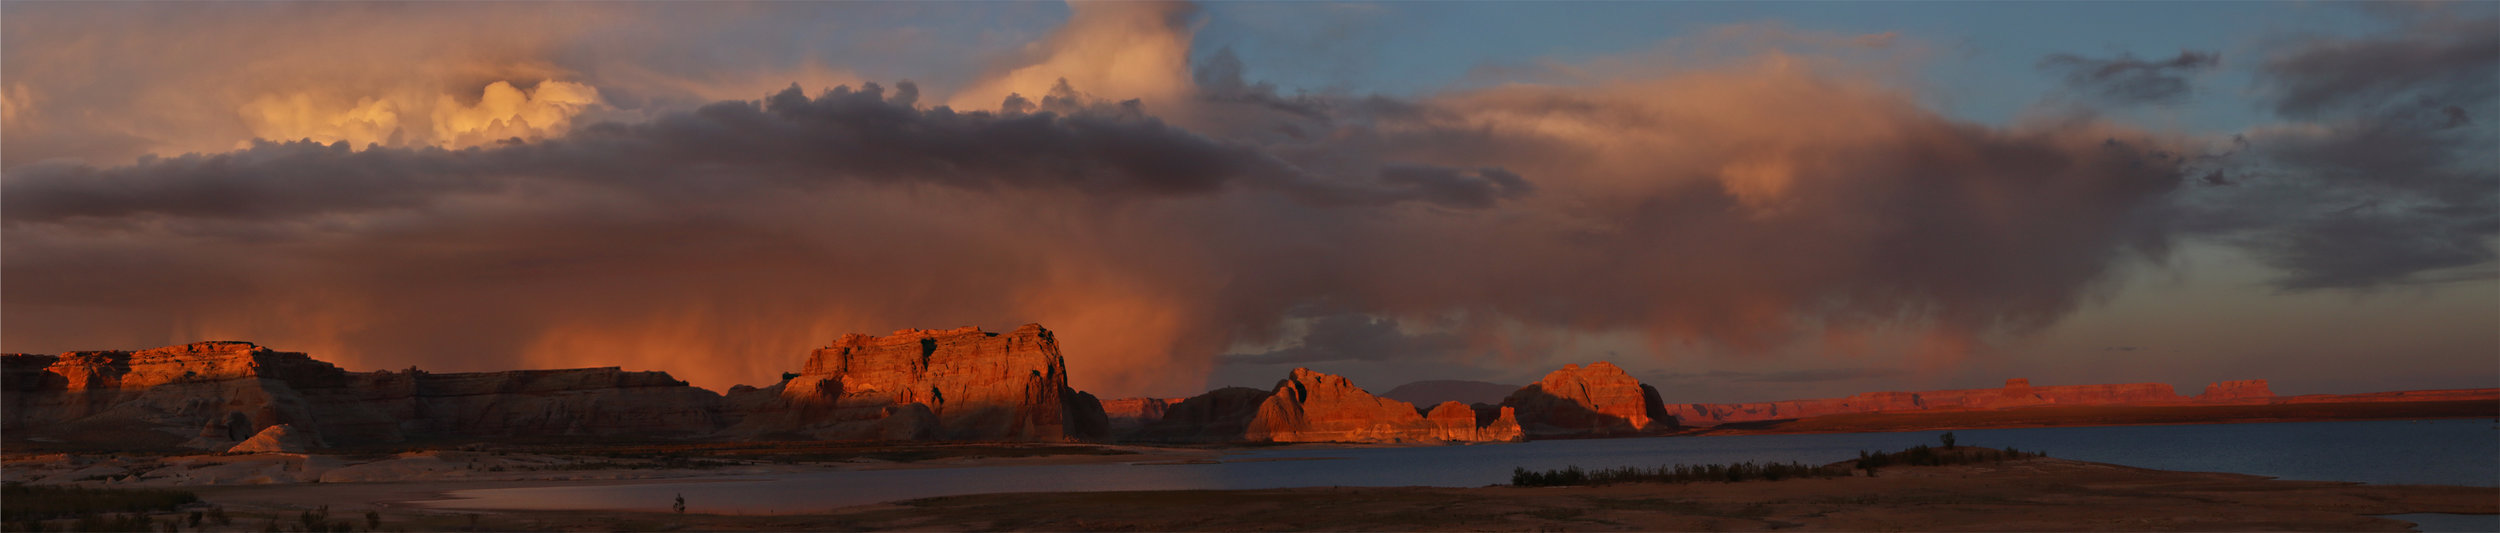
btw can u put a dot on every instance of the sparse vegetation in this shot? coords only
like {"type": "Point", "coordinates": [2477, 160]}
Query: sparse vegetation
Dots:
{"type": "Point", "coordinates": [20, 502]}
{"type": "Point", "coordinates": [1920, 455]}
{"type": "Point", "coordinates": [1681, 473]}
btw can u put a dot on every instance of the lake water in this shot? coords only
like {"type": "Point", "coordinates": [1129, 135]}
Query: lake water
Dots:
{"type": "Point", "coordinates": [2445, 452]}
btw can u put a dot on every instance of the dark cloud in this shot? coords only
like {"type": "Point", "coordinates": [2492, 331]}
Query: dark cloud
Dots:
{"type": "Point", "coordinates": [1758, 203]}
{"type": "Point", "coordinates": [1355, 337]}
{"type": "Point", "coordinates": [1220, 80]}
{"type": "Point", "coordinates": [2437, 60]}
{"type": "Point", "coordinates": [2383, 177]}
{"type": "Point", "coordinates": [2128, 80]}
{"type": "Point", "coordinates": [787, 140]}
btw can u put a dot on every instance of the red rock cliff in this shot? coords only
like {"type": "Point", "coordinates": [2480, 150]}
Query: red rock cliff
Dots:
{"type": "Point", "coordinates": [1314, 407]}
{"type": "Point", "coordinates": [1310, 406]}
{"type": "Point", "coordinates": [2242, 391]}
{"type": "Point", "coordinates": [958, 384]}
{"type": "Point", "coordinates": [1597, 399]}
{"type": "Point", "coordinates": [213, 394]}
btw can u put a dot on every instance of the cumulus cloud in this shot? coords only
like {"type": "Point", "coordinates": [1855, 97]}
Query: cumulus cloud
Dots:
{"type": "Point", "coordinates": [1118, 50]}
{"type": "Point", "coordinates": [2129, 80]}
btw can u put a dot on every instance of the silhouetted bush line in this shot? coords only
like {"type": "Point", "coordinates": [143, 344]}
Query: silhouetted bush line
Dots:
{"type": "Point", "coordinates": [20, 502]}
{"type": "Point", "coordinates": [1920, 455]}
{"type": "Point", "coordinates": [1681, 473]}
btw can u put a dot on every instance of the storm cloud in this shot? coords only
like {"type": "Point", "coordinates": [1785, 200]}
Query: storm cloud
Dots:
{"type": "Point", "coordinates": [1161, 218]}
{"type": "Point", "coordinates": [2380, 174]}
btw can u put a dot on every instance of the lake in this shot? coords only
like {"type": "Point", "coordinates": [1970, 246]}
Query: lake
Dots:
{"type": "Point", "coordinates": [2444, 452]}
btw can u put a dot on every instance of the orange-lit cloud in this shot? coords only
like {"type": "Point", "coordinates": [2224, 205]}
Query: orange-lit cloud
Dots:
{"type": "Point", "coordinates": [1112, 50]}
{"type": "Point", "coordinates": [506, 112]}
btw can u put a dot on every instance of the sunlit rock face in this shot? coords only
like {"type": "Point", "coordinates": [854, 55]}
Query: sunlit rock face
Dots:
{"type": "Point", "coordinates": [1309, 406]}
{"type": "Point", "coordinates": [281, 438]}
{"type": "Point", "coordinates": [957, 384]}
{"type": "Point", "coordinates": [961, 384]}
{"type": "Point", "coordinates": [1456, 422]}
{"type": "Point", "coordinates": [1596, 399]}
{"type": "Point", "coordinates": [1313, 407]}
{"type": "Point", "coordinates": [217, 394]}
{"type": "Point", "coordinates": [2241, 391]}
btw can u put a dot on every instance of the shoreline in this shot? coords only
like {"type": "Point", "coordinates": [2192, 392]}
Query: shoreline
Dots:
{"type": "Point", "coordinates": [2105, 416]}
{"type": "Point", "coordinates": [2022, 494]}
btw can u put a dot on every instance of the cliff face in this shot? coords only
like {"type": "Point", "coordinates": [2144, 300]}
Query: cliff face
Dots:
{"type": "Point", "coordinates": [961, 384]}
{"type": "Point", "coordinates": [1456, 422]}
{"type": "Point", "coordinates": [1597, 399]}
{"type": "Point", "coordinates": [2016, 393]}
{"type": "Point", "coordinates": [958, 384]}
{"type": "Point", "coordinates": [1314, 407]}
{"type": "Point", "coordinates": [214, 394]}
{"type": "Point", "coordinates": [1310, 406]}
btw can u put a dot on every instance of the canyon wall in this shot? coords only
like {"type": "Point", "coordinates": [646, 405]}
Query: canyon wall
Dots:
{"type": "Point", "coordinates": [957, 384]}
{"type": "Point", "coordinates": [214, 394]}
{"type": "Point", "coordinates": [1598, 399]}
{"type": "Point", "coordinates": [961, 384]}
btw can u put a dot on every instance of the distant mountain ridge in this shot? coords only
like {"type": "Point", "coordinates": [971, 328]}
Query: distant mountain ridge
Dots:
{"type": "Point", "coordinates": [1435, 391]}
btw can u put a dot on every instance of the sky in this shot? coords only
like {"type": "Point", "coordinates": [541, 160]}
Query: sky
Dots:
{"type": "Point", "coordinates": [1734, 201]}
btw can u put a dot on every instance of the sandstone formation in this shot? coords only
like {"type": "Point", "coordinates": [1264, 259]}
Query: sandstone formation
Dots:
{"type": "Point", "coordinates": [1128, 415]}
{"type": "Point", "coordinates": [2237, 391]}
{"type": "Point", "coordinates": [1310, 406]}
{"type": "Point", "coordinates": [1455, 422]}
{"type": "Point", "coordinates": [1220, 415]}
{"type": "Point", "coordinates": [1597, 399]}
{"type": "Point", "coordinates": [2015, 394]}
{"type": "Point", "coordinates": [958, 384]}
{"type": "Point", "coordinates": [281, 438]}
{"type": "Point", "coordinates": [1314, 407]}
{"type": "Point", "coordinates": [213, 394]}
{"type": "Point", "coordinates": [961, 384]}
